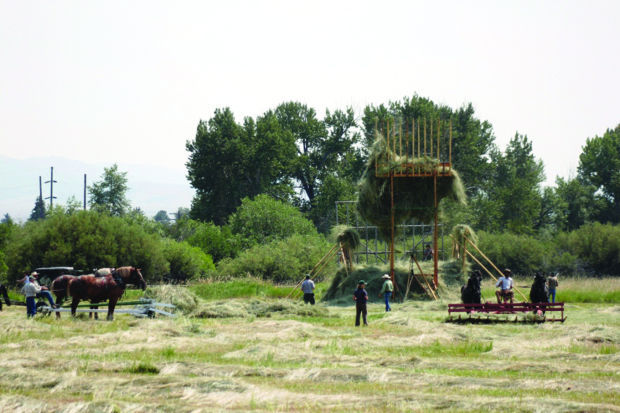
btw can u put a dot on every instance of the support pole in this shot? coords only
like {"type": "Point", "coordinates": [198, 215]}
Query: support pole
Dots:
{"type": "Point", "coordinates": [392, 225]}
{"type": "Point", "coordinates": [435, 252]}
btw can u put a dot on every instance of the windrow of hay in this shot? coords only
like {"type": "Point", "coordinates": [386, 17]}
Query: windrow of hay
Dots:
{"type": "Point", "coordinates": [189, 304]}
{"type": "Point", "coordinates": [256, 308]}
{"type": "Point", "coordinates": [413, 196]}
{"type": "Point", "coordinates": [183, 299]}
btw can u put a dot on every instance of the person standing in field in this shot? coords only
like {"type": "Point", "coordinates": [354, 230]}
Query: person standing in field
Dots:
{"type": "Point", "coordinates": [552, 283]}
{"type": "Point", "coordinates": [428, 253]}
{"type": "Point", "coordinates": [360, 296]}
{"type": "Point", "coordinates": [386, 291]}
{"type": "Point", "coordinates": [30, 291]}
{"type": "Point", "coordinates": [308, 289]}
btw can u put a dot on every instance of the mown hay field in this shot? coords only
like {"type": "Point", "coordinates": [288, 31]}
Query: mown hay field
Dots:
{"type": "Point", "coordinates": [269, 354]}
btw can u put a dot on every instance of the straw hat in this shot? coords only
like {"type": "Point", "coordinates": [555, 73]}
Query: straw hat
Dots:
{"type": "Point", "coordinates": [386, 276]}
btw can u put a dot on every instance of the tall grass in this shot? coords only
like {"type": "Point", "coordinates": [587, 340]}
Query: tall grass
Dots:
{"type": "Point", "coordinates": [239, 288]}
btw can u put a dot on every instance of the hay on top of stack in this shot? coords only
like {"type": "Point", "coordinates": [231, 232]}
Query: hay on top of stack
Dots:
{"type": "Point", "coordinates": [413, 195]}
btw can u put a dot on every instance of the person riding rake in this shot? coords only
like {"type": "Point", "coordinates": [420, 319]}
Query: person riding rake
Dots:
{"type": "Point", "coordinates": [505, 284]}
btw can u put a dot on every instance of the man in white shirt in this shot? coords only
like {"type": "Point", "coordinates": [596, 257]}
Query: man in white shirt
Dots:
{"type": "Point", "coordinates": [308, 288]}
{"type": "Point", "coordinates": [505, 285]}
{"type": "Point", "coordinates": [30, 290]}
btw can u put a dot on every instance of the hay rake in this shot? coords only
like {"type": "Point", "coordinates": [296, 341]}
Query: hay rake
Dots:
{"type": "Point", "coordinates": [143, 308]}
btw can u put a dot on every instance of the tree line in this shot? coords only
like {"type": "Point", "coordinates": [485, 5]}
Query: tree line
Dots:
{"type": "Point", "coordinates": [265, 198]}
{"type": "Point", "coordinates": [293, 155]}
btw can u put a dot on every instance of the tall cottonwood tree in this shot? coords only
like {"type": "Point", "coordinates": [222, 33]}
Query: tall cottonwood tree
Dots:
{"type": "Point", "coordinates": [229, 162]}
{"type": "Point", "coordinates": [514, 193]}
{"type": "Point", "coordinates": [599, 166]}
{"type": "Point", "coordinates": [110, 193]}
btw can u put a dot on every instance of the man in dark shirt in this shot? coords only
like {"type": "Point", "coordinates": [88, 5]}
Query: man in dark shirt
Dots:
{"type": "Point", "coordinates": [360, 296]}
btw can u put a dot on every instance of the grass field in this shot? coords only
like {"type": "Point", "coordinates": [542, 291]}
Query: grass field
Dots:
{"type": "Point", "coordinates": [292, 360]}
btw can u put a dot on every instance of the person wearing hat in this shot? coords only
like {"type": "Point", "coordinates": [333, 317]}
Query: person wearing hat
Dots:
{"type": "Point", "coordinates": [505, 285]}
{"type": "Point", "coordinates": [552, 283]}
{"type": "Point", "coordinates": [44, 291]}
{"type": "Point", "coordinates": [30, 290]}
{"type": "Point", "coordinates": [308, 288]}
{"type": "Point", "coordinates": [386, 291]}
{"type": "Point", "coordinates": [360, 296]}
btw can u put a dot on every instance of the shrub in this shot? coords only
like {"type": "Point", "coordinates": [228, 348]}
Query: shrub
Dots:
{"type": "Point", "coordinates": [186, 262]}
{"type": "Point", "coordinates": [264, 219]}
{"type": "Point", "coordinates": [217, 241]}
{"type": "Point", "coordinates": [523, 254]}
{"type": "Point", "coordinates": [596, 247]}
{"type": "Point", "coordinates": [84, 240]}
{"type": "Point", "coordinates": [279, 260]}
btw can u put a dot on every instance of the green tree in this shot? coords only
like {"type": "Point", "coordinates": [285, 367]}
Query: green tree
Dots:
{"type": "Point", "coordinates": [577, 200]}
{"type": "Point", "coordinates": [109, 194]}
{"type": "Point", "coordinates": [162, 217]}
{"type": "Point", "coordinates": [186, 262]}
{"type": "Point", "coordinates": [38, 212]}
{"type": "Point", "coordinates": [219, 242]}
{"type": "Point", "coordinates": [515, 186]}
{"type": "Point", "coordinates": [472, 141]}
{"type": "Point", "coordinates": [321, 145]}
{"type": "Point", "coordinates": [599, 166]}
{"type": "Point", "coordinates": [85, 239]}
{"type": "Point", "coordinates": [264, 219]}
{"type": "Point", "coordinates": [229, 161]}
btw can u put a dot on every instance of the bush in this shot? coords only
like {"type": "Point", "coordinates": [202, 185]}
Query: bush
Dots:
{"type": "Point", "coordinates": [219, 242]}
{"type": "Point", "coordinates": [265, 219]}
{"type": "Point", "coordinates": [186, 262]}
{"type": "Point", "coordinates": [84, 240]}
{"type": "Point", "coordinates": [596, 248]}
{"type": "Point", "coordinates": [524, 254]}
{"type": "Point", "coordinates": [279, 261]}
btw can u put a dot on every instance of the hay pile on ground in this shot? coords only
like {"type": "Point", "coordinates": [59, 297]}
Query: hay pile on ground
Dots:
{"type": "Point", "coordinates": [413, 196]}
{"type": "Point", "coordinates": [344, 283]}
{"type": "Point", "coordinates": [183, 299]}
{"type": "Point", "coordinates": [460, 232]}
{"type": "Point", "coordinates": [256, 308]}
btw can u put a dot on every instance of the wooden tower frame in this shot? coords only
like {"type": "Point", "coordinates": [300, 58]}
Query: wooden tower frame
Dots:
{"type": "Point", "coordinates": [420, 140]}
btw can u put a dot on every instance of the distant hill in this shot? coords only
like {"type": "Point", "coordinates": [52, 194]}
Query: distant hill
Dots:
{"type": "Point", "coordinates": [151, 187]}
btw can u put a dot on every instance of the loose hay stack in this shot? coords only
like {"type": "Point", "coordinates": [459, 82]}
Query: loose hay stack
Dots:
{"type": "Point", "coordinates": [413, 193]}
{"type": "Point", "coordinates": [348, 239]}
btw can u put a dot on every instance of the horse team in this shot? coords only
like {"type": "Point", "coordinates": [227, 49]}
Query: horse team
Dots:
{"type": "Point", "coordinates": [105, 286]}
{"type": "Point", "coordinates": [471, 294]}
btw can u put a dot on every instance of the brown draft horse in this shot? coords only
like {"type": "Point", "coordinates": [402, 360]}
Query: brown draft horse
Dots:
{"type": "Point", "coordinates": [109, 288]}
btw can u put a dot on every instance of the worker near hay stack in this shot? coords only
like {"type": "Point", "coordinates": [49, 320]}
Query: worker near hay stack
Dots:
{"type": "Point", "coordinates": [428, 253]}
{"type": "Point", "coordinates": [386, 291]}
{"type": "Point", "coordinates": [505, 285]}
{"type": "Point", "coordinates": [360, 296]}
{"type": "Point", "coordinates": [552, 283]}
{"type": "Point", "coordinates": [308, 289]}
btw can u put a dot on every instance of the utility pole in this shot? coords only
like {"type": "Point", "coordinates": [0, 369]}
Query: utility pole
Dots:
{"type": "Point", "coordinates": [40, 189]}
{"type": "Point", "coordinates": [51, 182]}
{"type": "Point", "coordinates": [84, 191]}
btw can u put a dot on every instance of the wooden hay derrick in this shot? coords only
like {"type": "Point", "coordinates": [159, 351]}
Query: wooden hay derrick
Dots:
{"type": "Point", "coordinates": [406, 176]}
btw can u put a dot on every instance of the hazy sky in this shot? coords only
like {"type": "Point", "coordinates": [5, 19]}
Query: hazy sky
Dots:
{"type": "Point", "coordinates": [128, 81]}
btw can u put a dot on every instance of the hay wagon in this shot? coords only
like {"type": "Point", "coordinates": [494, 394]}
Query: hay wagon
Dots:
{"type": "Point", "coordinates": [539, 310]}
